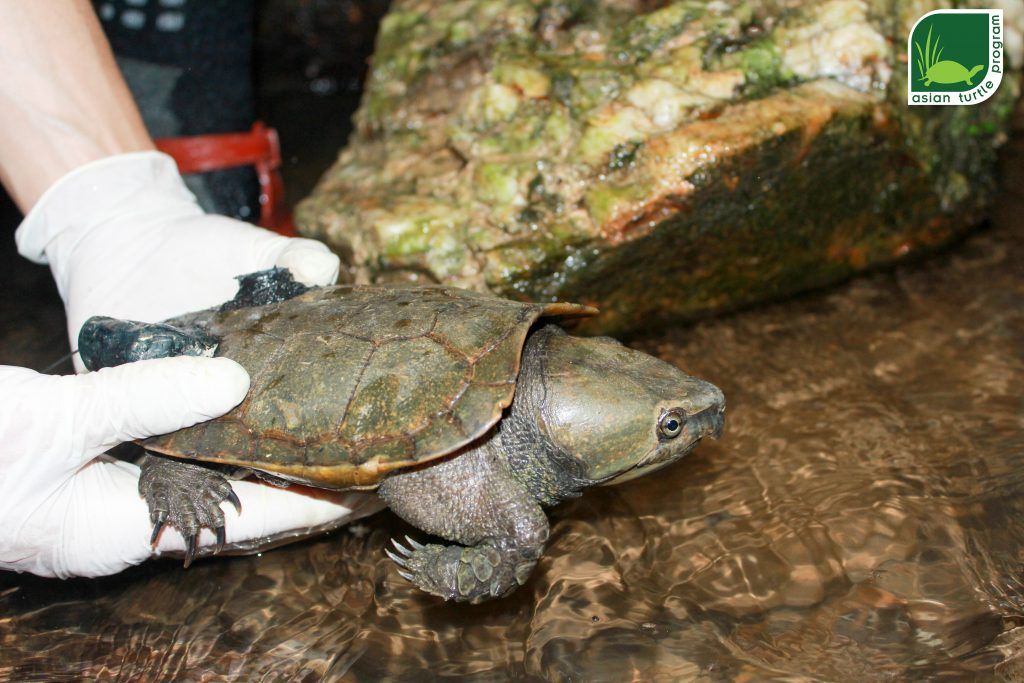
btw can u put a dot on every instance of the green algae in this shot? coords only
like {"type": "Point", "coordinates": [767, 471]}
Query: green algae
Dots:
{"type": "Point", "coordinates": [658, 160]}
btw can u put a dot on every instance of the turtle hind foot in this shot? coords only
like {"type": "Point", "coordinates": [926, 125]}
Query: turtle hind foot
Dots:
{"type": "Point", "coordinates": [264, 287]}
{"type": "Point", "coordinates": [186, 497]}
{"type": "Point", "coordinates": [464, 574]}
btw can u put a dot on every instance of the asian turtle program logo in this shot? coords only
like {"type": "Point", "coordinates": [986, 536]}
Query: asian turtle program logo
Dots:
{"type": "Point", "coordinates": [955, 56]}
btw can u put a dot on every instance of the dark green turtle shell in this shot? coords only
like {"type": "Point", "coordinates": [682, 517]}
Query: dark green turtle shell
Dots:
{"type": "Point", "coordinates": [352, 382]}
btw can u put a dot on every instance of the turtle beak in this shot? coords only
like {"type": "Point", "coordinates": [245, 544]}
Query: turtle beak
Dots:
{"type": "Point", "coordinates": [709, 422]}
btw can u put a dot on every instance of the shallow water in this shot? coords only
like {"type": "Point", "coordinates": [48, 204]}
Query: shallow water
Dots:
{"type": "Point", "coordinates": [862, 519]}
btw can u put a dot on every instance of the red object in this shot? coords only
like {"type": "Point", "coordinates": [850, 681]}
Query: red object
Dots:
{"type": "Point", "coordinates": [258, 148]}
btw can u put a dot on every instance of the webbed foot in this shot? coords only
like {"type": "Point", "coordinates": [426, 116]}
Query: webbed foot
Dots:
{"type": "Point", "coordinates": [186, 497]}
{"type": "Point", "coordinates": [464, 574]}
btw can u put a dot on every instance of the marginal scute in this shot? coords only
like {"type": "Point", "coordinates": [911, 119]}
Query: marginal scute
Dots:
{"type": "Point", "coordinates": [327, 452]}
{"type": "Point", "coordinates": [436, 436]}
{"type": "Point", "coordinates": [352, 382]}
{"type": "Point", "coordinates": [480, 406]}
{"type": "Point", "coordinates": [392, 449]}
{"type": "Point", "coordinates": [499, 361]}
{"type": "Point", "coordinates": [227, 436]}
{"type": "Point", "coordinates": [183, 443]}
{"type": "Point", "coordinates": [278, 451]}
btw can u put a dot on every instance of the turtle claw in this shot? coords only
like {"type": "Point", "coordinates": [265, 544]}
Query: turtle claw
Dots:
{"type": "Point", "coordinates": [400, 561]}
{"type": "Point", "coordinates": [186, 497]}
{"type": "Point", "coordinates": [407, 576]}
{"type": "Point", "coordinates": [406, 552]}
{"type": "Point", "coordinates": [415, 545]}
{"type": "Point", "coordinates": [190, 548]}
{"type": "Point", "coordinates": [159, 520]}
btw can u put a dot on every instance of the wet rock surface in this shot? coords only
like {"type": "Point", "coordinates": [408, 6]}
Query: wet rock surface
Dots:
{"type": "Point", "coordinates": [860, 520]}
{"type": "Point", "coordinates": [658, 160]}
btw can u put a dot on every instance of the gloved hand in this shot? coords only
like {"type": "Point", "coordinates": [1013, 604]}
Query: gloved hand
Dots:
{"type": "Point", "coordinates": [66, 512]}
{"type": "Point", "coordinates": [125, 238]}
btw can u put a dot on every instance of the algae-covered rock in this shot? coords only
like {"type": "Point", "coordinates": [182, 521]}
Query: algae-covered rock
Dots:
{"type": "Point", "coordinates": [659, 160]}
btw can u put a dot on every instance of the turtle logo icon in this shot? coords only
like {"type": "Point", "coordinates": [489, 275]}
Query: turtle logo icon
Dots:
{"type": "Point", "coordinates": [955, 57]}
{"type": "Point", "coordinates": [946, 71]}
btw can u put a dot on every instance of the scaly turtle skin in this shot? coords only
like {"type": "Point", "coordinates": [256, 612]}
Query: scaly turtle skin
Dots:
{"type": "Point", "coordinates": [948, 72]}
{"type": "Point", "coordinates": [410, 390]}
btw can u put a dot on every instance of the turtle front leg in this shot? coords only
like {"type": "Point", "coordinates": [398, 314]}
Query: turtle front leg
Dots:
{"type": "Point", "coordinates": [474, 500]}
{"type": "Point", "coordinates": [186, 497]}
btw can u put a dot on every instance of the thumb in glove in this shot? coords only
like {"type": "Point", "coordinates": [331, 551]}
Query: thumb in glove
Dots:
{"type": "Point", "coordinates": [65, 513]}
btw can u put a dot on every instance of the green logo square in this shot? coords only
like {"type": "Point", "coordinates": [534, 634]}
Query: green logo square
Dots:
{"type": "Point", "coordinates": [955, 57]}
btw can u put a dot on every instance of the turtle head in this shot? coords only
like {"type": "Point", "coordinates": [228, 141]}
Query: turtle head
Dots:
{"type": "Point", "coordinates": [620, 413]}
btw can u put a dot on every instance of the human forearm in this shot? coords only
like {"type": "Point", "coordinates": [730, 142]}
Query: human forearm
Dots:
{"type": "Point", "coordinates": [63, 102]}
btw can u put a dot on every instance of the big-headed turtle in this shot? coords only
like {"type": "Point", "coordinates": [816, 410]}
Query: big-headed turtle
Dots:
{"type": "Point", "coordinates": [466, 413]}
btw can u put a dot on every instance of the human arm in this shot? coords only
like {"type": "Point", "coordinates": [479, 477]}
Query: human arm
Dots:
{"type": "Point", "coordinates": [63, 102]}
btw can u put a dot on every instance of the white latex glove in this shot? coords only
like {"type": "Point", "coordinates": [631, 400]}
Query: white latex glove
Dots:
{"type": "Point", "coordinates": [66, 512]}
{"type": "Point", "coordinates": [125, 238]}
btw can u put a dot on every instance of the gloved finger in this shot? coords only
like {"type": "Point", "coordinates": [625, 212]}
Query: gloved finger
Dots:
{"type": "Point", "coordinates": [150, 397]}
{"type": "Point", "coordinates": [244, 249]}
{"type": "Point", "coordinates": [310, 262]}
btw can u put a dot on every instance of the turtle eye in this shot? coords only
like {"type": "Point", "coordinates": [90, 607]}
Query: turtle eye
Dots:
{"type": "Point", "coordinates": [670, 424]}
